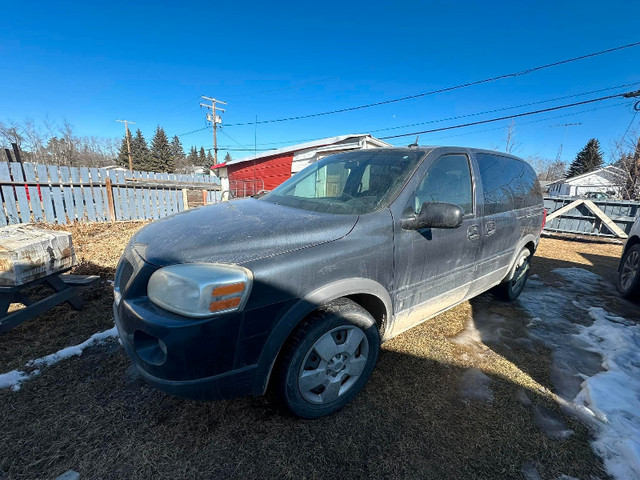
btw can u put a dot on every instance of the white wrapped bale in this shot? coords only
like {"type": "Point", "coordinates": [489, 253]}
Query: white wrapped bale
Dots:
{"type": "Point", "coordinates": [28, 253]}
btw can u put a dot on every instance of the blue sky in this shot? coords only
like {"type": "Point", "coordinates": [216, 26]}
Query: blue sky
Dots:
{"type": "Point", "coordinates": [150, 61]}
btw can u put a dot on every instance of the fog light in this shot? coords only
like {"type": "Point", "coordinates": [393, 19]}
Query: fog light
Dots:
{"type": "Point", "coordinates": [149, 348]}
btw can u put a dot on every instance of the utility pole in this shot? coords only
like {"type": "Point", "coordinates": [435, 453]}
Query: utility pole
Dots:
{"type": "Point", "coordinates": [215, 119]}
{"type": "Point", "coordinates": [564, 132]}
{"type": "Point", "coordinates": [126, 135]}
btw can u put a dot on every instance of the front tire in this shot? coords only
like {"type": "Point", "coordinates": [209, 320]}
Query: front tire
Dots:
{"type": "Point", "coordinates": [328, 359]}
{"type": "Point", "coordinates": [511, 289]}
{"type": "Point", "coordinates": [629, 274]}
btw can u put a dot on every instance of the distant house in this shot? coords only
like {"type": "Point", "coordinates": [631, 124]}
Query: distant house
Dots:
{"type": "Point", "coordinates": [609, 179]}
{"type": "Point", "coordinates": [265, 171]}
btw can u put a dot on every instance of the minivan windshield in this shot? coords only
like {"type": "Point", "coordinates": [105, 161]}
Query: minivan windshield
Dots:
{"type": "Point", "coordinates": [349, 183]}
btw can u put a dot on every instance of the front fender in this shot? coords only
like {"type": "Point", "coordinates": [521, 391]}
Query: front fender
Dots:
{"type": "Point", "coordinates": [292, 318]}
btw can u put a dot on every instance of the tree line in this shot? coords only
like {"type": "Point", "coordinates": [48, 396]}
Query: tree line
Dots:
{"type": "Point", "coordinates": [51, 143]}
{"type": "Point", "coordinates": [162, 155]}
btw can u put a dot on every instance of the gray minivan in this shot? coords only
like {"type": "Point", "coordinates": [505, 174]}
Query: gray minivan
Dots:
{"type": "Point", "coordinates": [295, 291]}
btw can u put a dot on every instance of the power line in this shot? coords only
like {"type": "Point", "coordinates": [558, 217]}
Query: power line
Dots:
{"type": "Point", "coordinates": [234, 149]}
{"type": "Point", "coordinates": [630, 123]}
{"type": "Point", "coordinates": [231, 138]}
{"type": "Point", "coordinates": [293, 142]}
{"type": "Point", "coordinates": [573, 114]}
{"type": "Point", "coordinates": [504, 108]}
{"type": "Point", "coordinates": [445, 89]}
{"type": "Point", "coordinates": [194, 131]}
{"type": "Point", "coordinates": [517, 115]}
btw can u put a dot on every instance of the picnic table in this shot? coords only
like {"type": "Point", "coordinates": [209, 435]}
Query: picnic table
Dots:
{"type": "Point", "coordinates": [32, 258]}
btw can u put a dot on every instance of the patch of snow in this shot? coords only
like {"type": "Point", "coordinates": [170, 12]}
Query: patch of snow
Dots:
{"type": "Point", "coordinates": [474, 385]}
{"type": "Point", "coordinates": [468, 336]}
{"type": "Point", "coordinates": [75, 350]}
{"type": "Point", "coordinates": [550, 424]}
{"type": "Point", "coordinates": [15, 378]}
{"type": "Point", "coordinates": [69, 475]}
{"type": "Point", "coordinates": [579, 276]}
{"type": "Point", "coordinates": [530, 471]}
{"type": "Point", "coordinates": [595, 363]}
{"type": "Point", "coordinates": [523, 398]}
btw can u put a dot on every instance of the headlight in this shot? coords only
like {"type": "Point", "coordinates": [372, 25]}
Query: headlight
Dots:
{"type": "Point", "coordinates": [200, 290]}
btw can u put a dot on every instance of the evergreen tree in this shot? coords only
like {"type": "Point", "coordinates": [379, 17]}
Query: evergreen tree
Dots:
{"type": "Point", "coordinates": [161, 159]}
{"type": "Point", "coordinates": [587, 160]}
{"type": "Point", "coordinates": [123, 154]}
{"type": "Point", "coordinates": [140, 152]}
{"type": "Point", "coordinates": [202, 157]}
{"type": "Point", "coordinates": [227, 158]}
{"type": "Point", "coordinates": [193, 156]}
{"type": "Point", "coordinates": [177, 153]}
{"type": "Point", "coordinates": [208, 164]}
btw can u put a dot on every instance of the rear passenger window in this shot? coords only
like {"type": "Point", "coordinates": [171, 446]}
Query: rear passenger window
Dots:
{"type": "Point", "coordinates": [507, 184]}
{"type": "Point", "coordinates": [448, 180]}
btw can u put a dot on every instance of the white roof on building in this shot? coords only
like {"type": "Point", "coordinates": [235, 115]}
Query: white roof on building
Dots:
{"type": "Point", "coordinates": [310, 145]}
{"type": "Point", "coordinates": [609, 169]}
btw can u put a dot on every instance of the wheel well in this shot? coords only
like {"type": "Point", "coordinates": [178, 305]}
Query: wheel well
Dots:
{"type": "Point", "coordinates": [630, 243]}
{"type": "Point", "coordinates": [532, 247]}
{"type": "Point", "coordinates": [371, 303]}
{"type": "Point", "coordinates": [374, 306]}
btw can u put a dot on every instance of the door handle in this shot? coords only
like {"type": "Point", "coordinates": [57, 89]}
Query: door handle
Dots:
{"type": "Point", "coordinates": [490, 228]}
{"type": "Point", "coordinates": [473, 232]}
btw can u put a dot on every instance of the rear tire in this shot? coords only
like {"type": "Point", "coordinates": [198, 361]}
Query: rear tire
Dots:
{"type": "Point", "coordinates": [511, 289]}
{"type": "Point", "coordinates": [328, 359]}
{"type": "Point", "coordinates": [629, 274]}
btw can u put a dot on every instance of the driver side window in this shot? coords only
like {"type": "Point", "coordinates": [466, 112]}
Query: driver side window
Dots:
{"type": "Point", "coordinates": [448, 180]}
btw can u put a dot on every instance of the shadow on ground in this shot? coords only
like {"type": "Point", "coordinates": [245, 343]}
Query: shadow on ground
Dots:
{"type": "Point", "coordinates": [61, 326]}
{"type": "Point", "coordinates": [93, 415]}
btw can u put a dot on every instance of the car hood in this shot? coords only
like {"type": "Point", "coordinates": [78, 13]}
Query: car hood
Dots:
{"type": "Point", "coordinates": [237, 232]}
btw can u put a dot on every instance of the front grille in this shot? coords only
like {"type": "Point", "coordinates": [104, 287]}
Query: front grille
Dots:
{"type": "Point", "coordinates": [132, 274]}
{"type": "Point", "coordinates": [123, 275]}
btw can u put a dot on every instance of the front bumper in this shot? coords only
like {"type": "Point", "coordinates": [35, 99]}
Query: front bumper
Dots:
{"type": "Point", "coordinates": [189, 359]}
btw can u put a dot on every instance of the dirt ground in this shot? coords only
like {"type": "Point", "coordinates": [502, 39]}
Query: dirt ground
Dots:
{"type": "Point", "coordinates": [92, 414]}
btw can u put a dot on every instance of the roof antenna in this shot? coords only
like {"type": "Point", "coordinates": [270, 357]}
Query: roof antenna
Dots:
{"type": "Point", "coordinates": [415, 144]}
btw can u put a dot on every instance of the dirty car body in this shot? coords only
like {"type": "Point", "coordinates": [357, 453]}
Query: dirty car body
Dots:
{"type": "Point", "coordinates": [390, 236]}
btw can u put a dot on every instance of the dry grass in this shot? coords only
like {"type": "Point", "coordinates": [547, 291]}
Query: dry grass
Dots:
{"type": "Point", "coordinates": [98, 247]}
{"type": "Point", "coordinates": [92, 415]}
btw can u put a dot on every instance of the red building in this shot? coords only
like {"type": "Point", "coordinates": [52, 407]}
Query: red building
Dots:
{"type": "Point", "coordinates": [265, 171]}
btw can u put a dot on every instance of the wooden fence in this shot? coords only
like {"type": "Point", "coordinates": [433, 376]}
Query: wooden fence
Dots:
{"type": "Point", "coordinates": [599, 218]}
{"type": "Point", "coordinates": [48, 193]}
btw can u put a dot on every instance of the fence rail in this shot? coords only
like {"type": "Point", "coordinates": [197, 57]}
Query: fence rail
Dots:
{"type": "Point", "coordinates": [48, 193]}
{"type": "Point", "coordinates": [599, 218]}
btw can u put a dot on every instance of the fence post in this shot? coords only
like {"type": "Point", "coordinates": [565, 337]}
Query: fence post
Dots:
{"type": "Point", "coordinates": [204, 197]}
{"type": "Point", "coordinates": [185, 198]}
{"type": "Point", "coordinates": [112, 208]}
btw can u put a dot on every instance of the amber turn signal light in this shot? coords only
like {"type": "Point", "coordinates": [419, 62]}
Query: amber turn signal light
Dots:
{"type": "Point", "coordinates": [228, 289]}
{"type": "Point", "coordinates": [224, 304]}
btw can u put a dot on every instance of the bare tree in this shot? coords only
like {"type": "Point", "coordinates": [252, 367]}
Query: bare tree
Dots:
{"type": "Point", "coordinates": [626, 156]}
{"type": "Point", "coordinates": [548, 170]}
{"type": "Point", "coordinates": [511, 144]}
{"type": "Point", "coordinates": [11, 132]}
{"type": "Point", "coordinates": [54, 144]}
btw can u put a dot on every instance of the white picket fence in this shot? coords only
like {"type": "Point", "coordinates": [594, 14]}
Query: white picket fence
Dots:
{"type": "Point", "coordinates": [53, 194]}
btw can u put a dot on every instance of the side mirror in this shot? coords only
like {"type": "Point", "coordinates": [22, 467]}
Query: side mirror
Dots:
{"type": "Point", "coordinates": [434, 215]}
